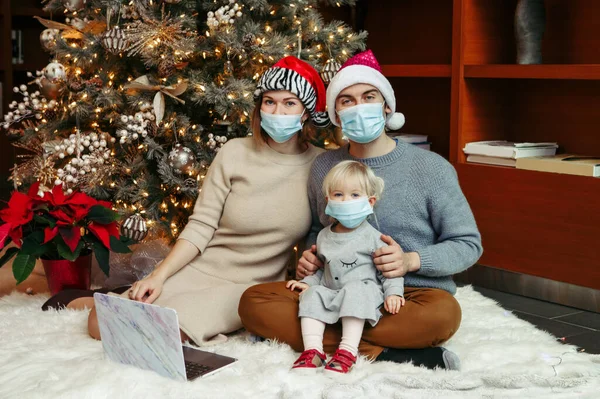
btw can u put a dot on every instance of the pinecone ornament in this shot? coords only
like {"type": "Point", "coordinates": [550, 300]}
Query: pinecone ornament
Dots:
{"type": "Point", "coordinates": [166, 68]}
{"type": "Point", "coordinates": [151, 129]}
{"type": "Point", "coordinates": [96, 82]}
{"type": "Point", "coordinates": [135, 227]}
{"type": "Point", "coordinates": [75, 85]}
{"type": "Point", "coordinates": [50, 114]}
{"type": "Point", "coordinates": [114, 40]}
{"type": "Point", "coordinates": [249, 39]}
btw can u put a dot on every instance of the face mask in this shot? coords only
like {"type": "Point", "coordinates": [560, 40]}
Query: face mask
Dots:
{"type": "Point", "coordinates": [363, 123]}
{"type": "Point", "coordinates": [349, 213]}
{"type": "Point", "coordinates": [281, 128]}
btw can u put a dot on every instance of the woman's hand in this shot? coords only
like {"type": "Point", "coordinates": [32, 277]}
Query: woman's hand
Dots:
{"type": "Point", "coordinates": [309, 263]}
{"type": "Point", "coordinates": [393, 303]}
{"type": "Point", "coordinates": [147, 289]}
{"type": "Point", "coordinates": [392, 261]}
{"type": "Point", "coordinates": [293, 285]}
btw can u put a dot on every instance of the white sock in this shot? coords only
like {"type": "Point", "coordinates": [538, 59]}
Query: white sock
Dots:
{"type": "Point", "coordinates": [312, 333]}
{"type": "Point", "coordinates": [352, 329]}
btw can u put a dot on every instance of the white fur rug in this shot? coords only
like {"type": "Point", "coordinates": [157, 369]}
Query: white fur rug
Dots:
{"type": "Point", "coordinates": [49, 355]}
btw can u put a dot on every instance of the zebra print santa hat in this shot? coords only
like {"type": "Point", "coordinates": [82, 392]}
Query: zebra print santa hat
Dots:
{"type": "Point", "coordinates": [301, 79]}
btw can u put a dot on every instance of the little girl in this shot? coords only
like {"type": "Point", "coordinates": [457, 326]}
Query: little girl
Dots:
{"type": "Point", "coordinates": [349, 287]}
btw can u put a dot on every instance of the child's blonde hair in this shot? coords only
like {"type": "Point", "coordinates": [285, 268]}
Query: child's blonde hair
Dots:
{"type": "Point", "coordinates": [346, 170]}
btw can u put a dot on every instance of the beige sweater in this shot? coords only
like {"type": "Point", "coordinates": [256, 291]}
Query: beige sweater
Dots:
{"type": "Point", "coordinates": [252, 208]}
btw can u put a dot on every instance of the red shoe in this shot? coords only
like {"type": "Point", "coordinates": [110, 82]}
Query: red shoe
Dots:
{"type": "Point", "coordinates": [341, 362]}
{"type": "Point", "coordinates": [311, 359]}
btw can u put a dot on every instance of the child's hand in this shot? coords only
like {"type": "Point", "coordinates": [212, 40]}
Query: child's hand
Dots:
{"type": "Point", "coordinates": [393, 303]}
{"type": "Point", "coordinates": [293, 285]}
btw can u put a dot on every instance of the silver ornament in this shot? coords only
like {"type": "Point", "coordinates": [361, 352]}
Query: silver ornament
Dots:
{"type": "Point", "coordinates": [329, 70]}
{"type": "Point", "coordinates": [48, 38]}
{"type": "Point", "coordinates": [50, 90]}
{"type": "Point", "coordinates": [135, 227]}
{"type": "Point", "coordinates": [55, 72]}
{"type": "Point", "coordinates": [114, 40]}
{"type": "Point", "coordinates": [181, 159]}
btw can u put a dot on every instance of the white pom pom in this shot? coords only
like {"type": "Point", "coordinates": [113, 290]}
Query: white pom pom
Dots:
{"type": "Point", "coordinates": [396, 121]}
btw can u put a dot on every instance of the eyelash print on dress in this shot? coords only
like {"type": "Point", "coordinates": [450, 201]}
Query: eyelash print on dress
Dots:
{"type": "Point", "coordinates": [353, 263]}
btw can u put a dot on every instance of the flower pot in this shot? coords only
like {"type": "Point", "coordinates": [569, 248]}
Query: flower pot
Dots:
{"type": "Point", "coordinates": [65, 274]}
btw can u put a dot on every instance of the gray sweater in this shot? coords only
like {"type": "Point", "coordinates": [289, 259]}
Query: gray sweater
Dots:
{"type": "Point", "coordinates": [422, 208]}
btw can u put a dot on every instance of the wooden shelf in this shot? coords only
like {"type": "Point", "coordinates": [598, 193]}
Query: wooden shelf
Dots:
{"type": "Point", "coordinates": [417, 70]}
{"type": "Point", "coordinates": [520, 212]}
{"type": "Point", "coordinates": [557, 71]}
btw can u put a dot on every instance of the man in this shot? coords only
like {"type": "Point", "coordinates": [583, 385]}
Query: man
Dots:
{"type": "Point", "coordinates": [427, 223]}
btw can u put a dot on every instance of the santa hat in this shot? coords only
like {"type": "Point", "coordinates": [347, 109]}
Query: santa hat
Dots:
{"type": "Point", "coordinates": [363, 68]}
{"type": "Point", "coordinates": [301, 79]}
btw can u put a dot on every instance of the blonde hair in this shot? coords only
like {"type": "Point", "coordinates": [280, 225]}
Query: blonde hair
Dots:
{"type": "Point", "coordinates": [346, 170]}
{"type": "Point", "coordinates": [306, 135]}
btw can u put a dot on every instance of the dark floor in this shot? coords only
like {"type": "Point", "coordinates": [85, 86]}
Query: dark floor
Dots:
{"type": "Point", "coordinates": [569, 325]}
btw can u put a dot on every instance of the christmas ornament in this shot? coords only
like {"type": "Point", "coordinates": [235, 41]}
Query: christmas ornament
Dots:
{"type": "Point", "coordinates": [224, 15]}
{"type": "Point", "coordinates": [228, 69]}
{"type": "Point", "coordinates": [55, 72]}
{"type": "Point", "coordinates": [166, 68]}
{"type": "Point", "coordinates": [190, 183]}
{"type": "Point", "coordinates": [48, 38]}
{"type": "Point", "coordinates": [96, 82]}
{"type": "Point", "coordinates": [50, 90]}
{"type": "Point", "coordinates": [135, 227]}
{"type": "Point", "coordinates": [181, 159]}
{"type": "Point", "coordinates": [249, 39]}
{"type": "Point", "coordinates": [75, 85]}
{"type": "Point", "coordinates": [74, 5]}
{"type": "Point", "coordinates": [114, 40]}
{"type": "Point", "coordinates": [78, 23]}
{"type": "Point", "coordinates": [329, 70]}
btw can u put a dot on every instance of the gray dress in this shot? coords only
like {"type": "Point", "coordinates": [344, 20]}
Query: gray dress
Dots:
{"type": "Point", "coordinates": [349, 285]}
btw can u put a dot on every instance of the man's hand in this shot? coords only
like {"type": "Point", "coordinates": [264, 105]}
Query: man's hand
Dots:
{"type": "Point", "coordinates": [296, 285]}
{"type": "Point", "coordinates": [392, 261]}
{"type": "Point", "coordinates": [309, 263]}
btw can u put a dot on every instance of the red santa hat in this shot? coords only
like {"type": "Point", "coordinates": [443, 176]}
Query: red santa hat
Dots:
{"type": "Point", "coordinates": [364, 68]}
{"type": "Point", "coordinates": [301, 79]}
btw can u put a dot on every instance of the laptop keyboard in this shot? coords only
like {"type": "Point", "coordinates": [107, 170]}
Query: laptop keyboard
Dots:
{"type": "Point", "coordinates": [193, 370]}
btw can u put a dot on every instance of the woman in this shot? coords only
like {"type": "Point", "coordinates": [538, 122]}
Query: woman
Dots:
{"type": "Point", "coordinates": [252, 208]}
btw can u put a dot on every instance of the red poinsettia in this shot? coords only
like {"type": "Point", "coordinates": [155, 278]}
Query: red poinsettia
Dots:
{"type": "Point", "coordinates": [57, 226]}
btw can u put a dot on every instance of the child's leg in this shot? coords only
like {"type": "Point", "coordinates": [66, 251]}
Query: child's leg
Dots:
{"type": "Point", "coordinates": [352, 329]}
{"type": "Point", "coordinates": [312, 333]}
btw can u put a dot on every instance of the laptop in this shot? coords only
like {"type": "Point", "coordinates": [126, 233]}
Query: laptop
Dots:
{"type": "Point", "coordinates": [147, 336]}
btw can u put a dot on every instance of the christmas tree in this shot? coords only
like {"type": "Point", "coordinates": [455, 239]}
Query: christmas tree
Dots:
{"type": "Point", "coordinates": [140, 94]}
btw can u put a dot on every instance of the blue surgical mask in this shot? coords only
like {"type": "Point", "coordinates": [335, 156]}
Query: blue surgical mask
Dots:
{"type": "Point", "coordinates": [281, 128]}
{"type": "Point", "coordinates": [349, 213]}
{"type": "Point", "coordinates": [363, 123]}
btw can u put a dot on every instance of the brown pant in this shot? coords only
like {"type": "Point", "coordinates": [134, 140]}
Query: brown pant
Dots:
{"type": "Point", "coordinates": [429, 318]}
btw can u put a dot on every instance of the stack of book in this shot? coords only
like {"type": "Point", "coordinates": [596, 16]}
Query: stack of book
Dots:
{"type": "Point", "coordinates": [506, 153]}
{"type": "Point", "coordinates": [420, 140]}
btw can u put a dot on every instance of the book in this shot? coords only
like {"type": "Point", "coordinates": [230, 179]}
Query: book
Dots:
{"type": "Point", "coordinates": [410, 138]}
{"type": "Point", "coordinates": [563, 163]}
{"type": "Point", "coordinates": [509, 149]}
{"type": "Point", "coordinates": [492, 160]}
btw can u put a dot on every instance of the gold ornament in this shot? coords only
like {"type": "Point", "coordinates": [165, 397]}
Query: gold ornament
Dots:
{"type": "Point", "coordinates": [48, 38]}
{"type": "Point", "coordinates": [135, 227]}
{"type": "Point", "coordinates": [50, 90]}
{"type": "Point", "coordinates": [114, 40]}
{"type": "Point", "coordinates": [181, 159]}
{"type": "Point", "coordinates": [329, 70]}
